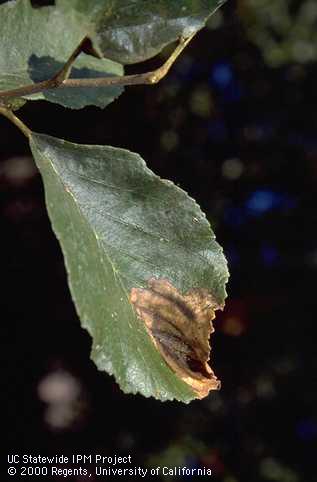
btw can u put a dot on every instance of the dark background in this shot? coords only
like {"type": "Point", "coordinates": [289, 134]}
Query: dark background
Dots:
{"type": "Point", "coordinates": [239, 135]}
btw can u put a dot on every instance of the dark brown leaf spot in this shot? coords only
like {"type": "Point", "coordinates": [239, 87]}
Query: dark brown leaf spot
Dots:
{"type": "Point", "coordinates": [180, 327]}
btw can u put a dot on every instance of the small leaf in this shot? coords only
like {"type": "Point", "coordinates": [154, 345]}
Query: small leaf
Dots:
{"type": "Point", "coordinates": [120, 226]}
{"type": "Point", "coordinates": [133, 31]}
{"type": "Point", "coordinates": [36, 43]}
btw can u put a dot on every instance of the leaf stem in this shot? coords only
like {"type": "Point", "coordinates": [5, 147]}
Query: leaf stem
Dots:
{"type": "Point", "coordinates": [152, 77]}
{"type": "Point", "coordinates": [15, 120]}
{"type": "Point", "coordinates": [61, 80]}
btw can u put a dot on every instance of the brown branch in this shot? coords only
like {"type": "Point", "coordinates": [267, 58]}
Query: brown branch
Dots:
{"type": "Point", "coordinates": [62, 80]}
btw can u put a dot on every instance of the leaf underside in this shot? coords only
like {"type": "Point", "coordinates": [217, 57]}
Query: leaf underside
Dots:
{"type": "Point", "coordinates": [120, 225]}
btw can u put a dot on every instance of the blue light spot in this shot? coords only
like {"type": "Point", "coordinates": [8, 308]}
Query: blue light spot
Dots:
{"type": "Point", "coordinates": [222, 75]}
{"type": "Point", "coordinates": [262, 201]}
{"type": "Point", "coordinates": [265, 200]}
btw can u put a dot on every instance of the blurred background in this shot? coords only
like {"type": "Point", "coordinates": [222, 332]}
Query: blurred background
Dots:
{"type": "Point", "coordinates": [234, 124]}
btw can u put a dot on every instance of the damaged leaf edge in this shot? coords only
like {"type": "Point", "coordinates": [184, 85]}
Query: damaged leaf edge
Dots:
{"type": "Point", "coordinates": [200, 384]}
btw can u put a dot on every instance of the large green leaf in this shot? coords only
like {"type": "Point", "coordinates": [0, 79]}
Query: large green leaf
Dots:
{"type": "Point", "coordinates": [135, 30]}
{"type": "Point", "coordinates": [34, 45]}
{"type": "Point", "coordinates": [120, 225]}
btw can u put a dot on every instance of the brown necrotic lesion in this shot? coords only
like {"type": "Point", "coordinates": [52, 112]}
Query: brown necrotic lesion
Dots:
{"type": "Point", "coordinates": [180, 327]}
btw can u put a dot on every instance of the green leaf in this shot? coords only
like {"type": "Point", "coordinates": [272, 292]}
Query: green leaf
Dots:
{"type": "Point", "coordinates": [135, 30]}
{"type": "Point", "coordinates": [35, 44]}
{"type": "Point", "coordinates": [119, 225]}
